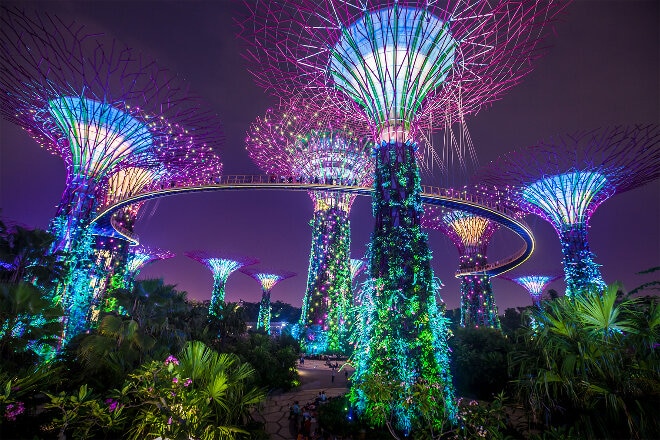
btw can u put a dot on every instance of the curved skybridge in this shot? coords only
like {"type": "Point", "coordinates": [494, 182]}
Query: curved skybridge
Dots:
{"type": "Point", "coordinates": [431, 195]}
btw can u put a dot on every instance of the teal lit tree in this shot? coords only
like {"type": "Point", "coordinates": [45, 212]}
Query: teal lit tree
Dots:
{"type": "Point", "coordinates": [221, 266]}
{"type": "Point", "coordinates": [563, 180]}
{"type": "Point", "coordinates": [318, 146]}
{"type": "Point", "coordinates": [403, 66]}
{"type": "Point", "coordinates": [138, 257]}
{"type": "Point", "coordinates": [534, 284]}
{"type": "Point", "coordinates": [267, 279]}
{"type": "Point", "coordinates": [102, 108]}
{"type": "Point", "coordinates": [470, 234]}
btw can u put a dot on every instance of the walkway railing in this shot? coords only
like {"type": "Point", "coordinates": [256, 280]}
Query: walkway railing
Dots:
{"type": "Point", "coordinates": [430, 195]}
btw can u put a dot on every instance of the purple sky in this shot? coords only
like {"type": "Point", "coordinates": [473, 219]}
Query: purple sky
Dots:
{"type": "Point", "coordinates": [602, 69]}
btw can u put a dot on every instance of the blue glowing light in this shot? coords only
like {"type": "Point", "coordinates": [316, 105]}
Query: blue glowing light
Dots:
{"type": "Point", "coordinates": [390, 59]}
{"type": "Point", "coordinates": [566, 199]}
{"type": "Point", "coordinates": [100, 136]}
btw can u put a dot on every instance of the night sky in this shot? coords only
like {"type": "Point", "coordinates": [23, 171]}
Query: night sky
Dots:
{"type": "Point", "coordinates": [602, 69]}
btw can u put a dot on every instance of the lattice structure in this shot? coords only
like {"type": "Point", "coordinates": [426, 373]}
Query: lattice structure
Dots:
{"type": "Point", "coordinates": [310, 143]}
{"type": "Point", "coordinates": [102, 108]}
{"type": "Point", "coordinates": [471, 235]}
{"type": "Point", "coordinates": [563, 180]}
{"type": "Point", "coordinates": [357, 267]}
{"type": "Point", "coordinates": [534, 284]}
{"type": "Point", "coordinates": [221, 266]}
{"type": "Point", "coordinates": [268, 279]}
{"type": "Point", "coordinates": [402, 66]}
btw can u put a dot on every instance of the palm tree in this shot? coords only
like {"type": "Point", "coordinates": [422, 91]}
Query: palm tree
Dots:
{"type": "Point", "coordinates": [26, 254]}
{"type": "Point", "coordinates": [588, 361]}
{"type": "Point", "coordinates": [202, 394]}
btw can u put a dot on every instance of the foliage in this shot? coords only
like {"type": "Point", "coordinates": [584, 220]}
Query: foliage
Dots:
{"type": "Point", "coordinates": [592, 364]}
{"type": "Point", "coordinates": [201, 394]}
{"type": "Point", "coordinates": [26, 256]}
{"type": "Point", "coordinates": [479, 362]}
{"type": "Point", "coordinates": [273, 358]}
{"type": "Point", "coordinates": [29, 325]}
{"type": "Point", "coordinates": [512, 320]}
{"type": "Point", "coordinates": [83, 414]}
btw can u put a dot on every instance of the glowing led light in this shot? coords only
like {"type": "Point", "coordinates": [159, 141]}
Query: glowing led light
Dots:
{"type": "Point", "coordinates": [388, 60]}
{"type": "Point", "coordinates": [566, 198]}
{"type": "Point", "coordinates": [268, 280]}
{"type": "Point", "coordinates": [100, 136]}
{"type": "Point", "coordinates": [221, 268]}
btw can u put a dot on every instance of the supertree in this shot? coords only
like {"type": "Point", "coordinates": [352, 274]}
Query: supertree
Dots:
{"type": "Point", "coordinates": [99, 106]}
{"type": "Point", "coordinates": [404, 66]}
{"type": "Point", "coordinates": [534, 284]}
{"type": "Point", "coordinates": [183, 167]}
{"type": "Point", "coordinates": [221, 266]}
{"type": "Point", "coordinates": [123, 275]}
{"type": "Point", "coordinates": [138, 257]}
{"type": "Point", "coordinates": [470, 234]}
{"type": "Point", "coordinates": [268, 279]}
{"type": "Point", "coordinates": [564, 179]}
{"type": "Point", "coordinates": [307, 141]}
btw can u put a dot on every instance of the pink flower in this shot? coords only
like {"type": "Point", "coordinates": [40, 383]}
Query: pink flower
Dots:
{"type": "Point", "coordinates": [175, 380]}
{"type": "Point", "coordinates": [169, 421]}
{"type": "Point", "coordinates": [13, 410]}
{"type": "Point", "coordinates": [171, 360]}
{"type": "Point", "coordinates": [187, 382]}
{"type": "Point", "coordinates": [112, 404]}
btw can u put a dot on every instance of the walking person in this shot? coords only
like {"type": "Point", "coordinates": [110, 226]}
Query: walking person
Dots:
{"type": "Point", "coordinates": [333, 376]}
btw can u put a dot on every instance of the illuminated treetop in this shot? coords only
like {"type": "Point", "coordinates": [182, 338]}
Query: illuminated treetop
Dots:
{"type": "Point", "coordinates": [303, 139]}
{"type": "Point", "coordinates": [406, 64]}
{"type": "Point", "coordinates": [534, 284]}
{"type": "Point", "coordinates": [566, 178]}
{"type": "Point", "coordinates": [141, 255]}
{"type": "Point", "coordinates": [267, 278]}
{"type": "Point", "coordinates": [92, 101]}
{"type": "Point", "coordinates": [221, 265]}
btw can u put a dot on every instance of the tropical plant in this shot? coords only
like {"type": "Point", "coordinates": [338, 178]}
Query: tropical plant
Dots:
{"type": "Point", "coordinates": [202, 394]}
{"type": "Point", "coordinates": [590, 364]}
{"type": "Point", "coordinates": [26, 255]}
{"type": "Point", "coordinates": [29, 325]}
{"type": "Point", "coordinates": [274, 359]}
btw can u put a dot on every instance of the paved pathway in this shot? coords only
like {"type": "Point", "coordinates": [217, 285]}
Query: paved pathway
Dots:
{"type": "Point", "coordinates": [315, 376]}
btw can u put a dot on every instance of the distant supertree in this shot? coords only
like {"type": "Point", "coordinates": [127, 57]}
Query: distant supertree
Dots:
{"type": "Point", "coordinates": [470, 234]}
{"type": "Point", "coordinates": [122, 276]}
{"type": "Point", "coordinates": [534, 284]}
{"type": "Point", "coordinates": [140, 256]}
{"type": "Point", "coordinates": [221, 266]}
{"type": "Point", "coordinates": [268, 279]}
{"type": "Point", "coordinates": [99, 106]}
{"type": "Point", "coordinates": [311, 143]}
{"type": "Point", "coordinates": [183, 167]}
{"type": "Point", "coordinates": [404, 66]}
{"type": "Point", "coordinates": [563, 180]}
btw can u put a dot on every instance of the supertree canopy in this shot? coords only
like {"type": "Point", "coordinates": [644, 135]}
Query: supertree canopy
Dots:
{"type": "Point", "coordinates": [403, 66]}
{"type": "Point", "coordinates": [534, 284]}
{"type": "Point", "coordinates": [470, 234]}
{"type": "Point", "coordinates": [316, 145]}
{"type": "Point", "coordinates": [357, 267]}
{"type": "Point", "coordinates": [221, 266]}
{"type": "Point", "coordinates": [102, 108]}
{"type": "Point", "coordinates": [140, 256]}
{"type": "Point", "coordinates": [268, 279]}
{"type": "Point", "coordinates": [563, 180]}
